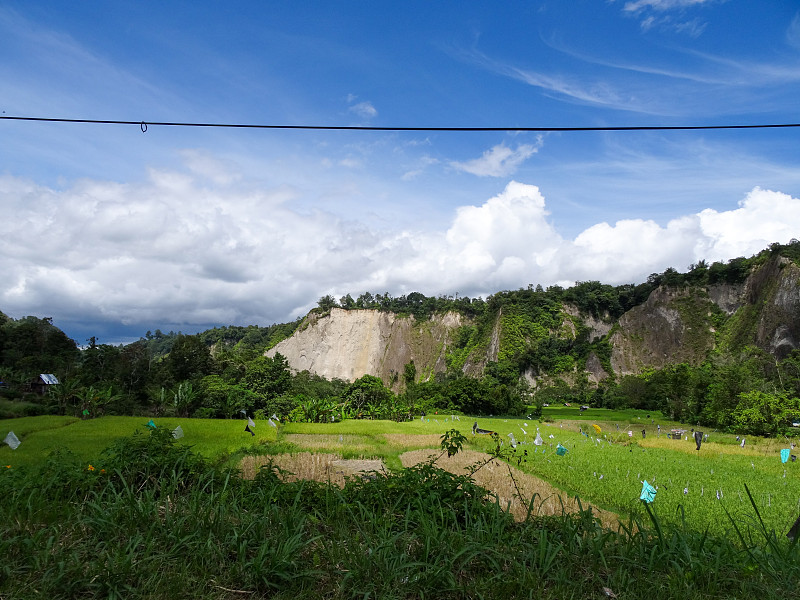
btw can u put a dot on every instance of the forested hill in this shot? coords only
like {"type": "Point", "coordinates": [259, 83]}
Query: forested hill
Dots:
{"type": "Point", "coordinates": [599, 329]}
{"type": "Point", "coordinates": [705, 345]}
{"type": "Point", "coordinates": [689, 343]}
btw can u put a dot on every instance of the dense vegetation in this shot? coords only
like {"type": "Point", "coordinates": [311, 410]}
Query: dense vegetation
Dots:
{"type": "Point", "coordinates": [590, 297]}
{"type": "Point", "coordinates": [150, 519]}
{"type": "Point", "coordinates": [222, 371]}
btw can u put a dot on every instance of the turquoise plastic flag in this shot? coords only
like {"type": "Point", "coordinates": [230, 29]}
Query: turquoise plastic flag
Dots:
{"type": "Point", "coordinates": [648, 492]}
{"type": "Point", "coordinates": [785, 454]}
{"type": "Point", "coordinates": [560, 450]}
{"type": "Point", "coordinates": [151, 424]}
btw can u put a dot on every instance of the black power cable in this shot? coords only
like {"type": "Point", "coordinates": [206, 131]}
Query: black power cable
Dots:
{"type": "Point", "coordinates": [145, 124]}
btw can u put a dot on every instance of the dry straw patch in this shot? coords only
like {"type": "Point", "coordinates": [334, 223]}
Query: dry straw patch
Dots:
{"type": "Point", "coordinates": [318, 441]}
{"type": "Point", "coordinates": [495, 477]}
{"type": "Point", "coordinates": [308, 466]}
{"type": "Point", "coordinates": [754, 446]}
{"type": "Point", "coordinates": [402, 440]}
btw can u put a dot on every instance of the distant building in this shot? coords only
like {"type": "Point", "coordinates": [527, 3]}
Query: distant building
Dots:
{"type": "Point", "coordinates": [42, 383]}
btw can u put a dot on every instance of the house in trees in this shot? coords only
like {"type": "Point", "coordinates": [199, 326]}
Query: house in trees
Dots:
{"type": "Point", "coordinates": [41, 384]}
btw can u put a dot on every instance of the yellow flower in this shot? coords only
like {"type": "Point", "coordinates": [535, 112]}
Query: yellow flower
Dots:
{"type": "Point", "coordinates": [91, 468]}
{"type": "Point", "coordinates": [8, 466]}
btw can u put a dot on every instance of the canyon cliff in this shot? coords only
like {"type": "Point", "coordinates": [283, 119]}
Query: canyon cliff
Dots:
{"type": "Point", "coordinates": [674, 324]}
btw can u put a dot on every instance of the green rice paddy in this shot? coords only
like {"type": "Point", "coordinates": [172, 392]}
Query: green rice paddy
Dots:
{"type": "Point", "coordinates": [607, 468]}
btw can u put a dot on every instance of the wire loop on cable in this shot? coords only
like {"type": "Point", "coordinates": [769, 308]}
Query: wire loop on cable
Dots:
{"type": "Point", "coordinates": [143, 127]}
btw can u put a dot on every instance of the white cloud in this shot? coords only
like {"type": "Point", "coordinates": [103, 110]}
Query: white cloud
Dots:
{"type": "Point", "coordinates": [664, 5]}
{"type": "Point", "coordinates": [665, 9]}
{"type": "Point", "coordinates": [498, 161]}
{"type": "Point", "coordinates": [793, 32]}
{"type": "Point", "coordinates": [350, 163]}
{"type": "Point", "coordinates": [763, 217]}
{"type": "Point", "coordinates": [365, 110]}
{"type": "Point", "coordinates": [575, 89]}
{"type": "Point", "coordinates": [180, 248]}
{"type": "Point", "coordinates": [422, 163]}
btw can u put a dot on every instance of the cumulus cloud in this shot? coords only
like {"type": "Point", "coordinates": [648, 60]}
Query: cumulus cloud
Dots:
{"type": "Point", "coordinates": [498, 161]}
{"type": "Point", "coordinates": [185, 249]}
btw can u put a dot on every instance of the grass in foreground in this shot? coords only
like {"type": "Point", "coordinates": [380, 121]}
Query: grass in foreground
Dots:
{"type": "Point", "coordinates": [151, 519]}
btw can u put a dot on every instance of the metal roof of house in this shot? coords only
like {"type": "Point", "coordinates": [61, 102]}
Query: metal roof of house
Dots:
{"type": "Point", "coordinates": [49, 378]}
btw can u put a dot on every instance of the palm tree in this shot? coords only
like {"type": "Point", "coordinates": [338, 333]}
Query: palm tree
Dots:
{"type": "Point", "coordinates": [183, 396]}
{"type": "Point", "coordinates": [64, 393]}
{"type": "Point", "coordinates": [93, 400]}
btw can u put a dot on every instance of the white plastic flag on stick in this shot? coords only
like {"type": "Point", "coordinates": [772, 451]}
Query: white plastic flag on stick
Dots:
{"type": "Point", "coordinates": [271, 422]}
{"type": "Point", "coordinates": [250, 422]}
{"type": "Point", "coordinates": [177, 433]}
{"type": "Point", "coordinates": [538, 440]}
{"type": "Point", "coordinates": [12, 440]}
{"type": "Point", "coordinates": [275, 418]}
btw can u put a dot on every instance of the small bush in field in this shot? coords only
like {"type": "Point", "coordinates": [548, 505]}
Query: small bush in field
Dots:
{"type": "Point", "coordinates": [151, 458]}
{"type": "Point", "coordinates": [422, 489]}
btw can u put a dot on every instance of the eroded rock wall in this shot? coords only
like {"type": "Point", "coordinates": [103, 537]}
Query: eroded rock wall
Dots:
{"type": "Point", "coordinates": [774, 292]}
{"type": "Point", "coordinates": [347, 344]}
{"type": "Point", "coordinates": [672, 326]}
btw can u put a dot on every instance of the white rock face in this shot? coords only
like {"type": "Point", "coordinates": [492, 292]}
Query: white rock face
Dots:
{"type": "Point", "coordinates": [347, 344]}
{"type": "Point", "coordinates": [597, 327]}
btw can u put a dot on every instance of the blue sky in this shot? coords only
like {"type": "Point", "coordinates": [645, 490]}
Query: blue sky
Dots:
{"type": "Point", "coordinates": [114, 232]}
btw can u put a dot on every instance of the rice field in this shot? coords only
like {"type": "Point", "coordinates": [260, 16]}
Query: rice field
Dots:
{"type": "Point", "coordinates": [605, 470]}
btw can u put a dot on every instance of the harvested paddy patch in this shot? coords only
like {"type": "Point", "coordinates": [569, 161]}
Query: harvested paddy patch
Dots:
{"type": "Point", "coordinates": [402, 440]}
{"type": "Point", "coordinates": [314, 467]}
{"type": "Point", "coordinates": [760, 447]}
{"type": "Point", "coordinates": [332, 442]}
{"type": "Point", "coordinates": [495, 477]}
